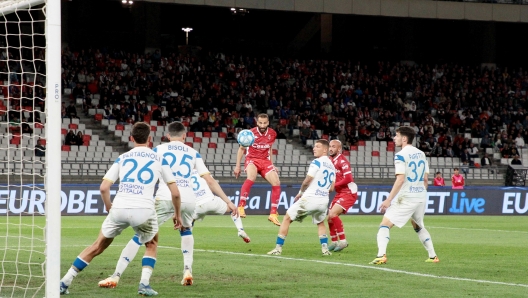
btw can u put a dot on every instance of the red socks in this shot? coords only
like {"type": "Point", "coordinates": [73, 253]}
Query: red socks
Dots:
{"type": "Point", "coordinates": [275, 197]}
{"type": "Point", "coordinates": [244, 192]}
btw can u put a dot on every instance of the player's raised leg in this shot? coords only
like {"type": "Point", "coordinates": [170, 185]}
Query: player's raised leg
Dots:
{"type": "Point", "coordinates": [83, 260]}
{"type": "Point", "coordinates": [251, 175]}
{"type": "Point", "coordinates": [273, 178]}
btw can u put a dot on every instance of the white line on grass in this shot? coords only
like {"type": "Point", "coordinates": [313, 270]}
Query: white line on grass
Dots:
{"type": "Point", "coordinates": [483, 230]}
{"type": "Point", "coordinates": [374, 267]}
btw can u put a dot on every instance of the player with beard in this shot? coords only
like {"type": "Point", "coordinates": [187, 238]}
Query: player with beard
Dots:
{"type": "Point", "coordinates": [258, 161]}
{"type": "Point", "coordinates": [346, 196]}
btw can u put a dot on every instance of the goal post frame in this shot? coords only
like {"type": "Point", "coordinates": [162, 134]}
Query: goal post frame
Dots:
{"type": "Point", "coordinates": [53, 150]}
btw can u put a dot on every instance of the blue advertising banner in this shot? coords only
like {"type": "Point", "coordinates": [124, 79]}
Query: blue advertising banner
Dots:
{"type": "Point", "coordinates": [85, 199]}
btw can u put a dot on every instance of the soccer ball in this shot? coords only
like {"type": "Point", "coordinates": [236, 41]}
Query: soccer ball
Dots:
{"type": "Point", "coordinates": [246, 138]}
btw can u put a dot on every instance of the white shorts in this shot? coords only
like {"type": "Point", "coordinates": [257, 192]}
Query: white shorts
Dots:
{"type": "Point", "coordinates": [165, 211]}
{"type": "Point", "coordinates": [143, 221]}
{"type": "Point", "coordinates": [211, 206]}
{"type": "Point", "coordinates": [306, 206]}
{"type": "Point", "coordinates": [400, 211]}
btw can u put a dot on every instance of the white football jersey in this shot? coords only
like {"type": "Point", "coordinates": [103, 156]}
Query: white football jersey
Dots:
{"type": "Point", "coordinates": [412, 162]}
{"type": "Point", "coordinates": [323, 172]}
{"type": "Point", "coordinates": [138, 171]}
{"type": "Point", "coordinates": [201, 190]}
{"type": "Point", "coordinates": [182, 160]}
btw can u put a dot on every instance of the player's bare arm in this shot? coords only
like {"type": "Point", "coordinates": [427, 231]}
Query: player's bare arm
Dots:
{"type": "Point", "coordinates": [217, 190]}
{"type": "Point", "coordinates": [426, 181]}
{"type": "Point", "coordinates": [105, 193]}
{"type": "Point", "coordinates": [176, 202]}
{"type": "Point", "coordinates": [303, 188]}
{"type": "Point", "coordinates": [240, 153]}
{"type": "Point", "coordinates": [400, 178]}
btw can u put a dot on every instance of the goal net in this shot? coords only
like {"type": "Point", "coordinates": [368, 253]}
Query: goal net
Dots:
{"type": "Point", "coordinates": [30, 160]}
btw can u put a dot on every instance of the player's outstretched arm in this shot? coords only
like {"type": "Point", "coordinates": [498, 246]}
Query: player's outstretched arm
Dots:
{"type": "Point", "coordinates": [240, 153]}
{"type": "Point", "coordinates": [176, 202]}
{"type": "Point", "coordinates": [217, 190]}
{"type": "Point", "coordinates": [105, 193]}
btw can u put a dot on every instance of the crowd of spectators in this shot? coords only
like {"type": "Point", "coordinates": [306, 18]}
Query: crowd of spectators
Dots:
{"type": "Point", "coordinates": [345, 100]}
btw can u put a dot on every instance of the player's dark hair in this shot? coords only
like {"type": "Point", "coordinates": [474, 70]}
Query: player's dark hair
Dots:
{"type": "Point", "coordinates": [263, 115]}
{"type": "Point", "coordinates": [176, 129]}
{"type": "Point", "coordinates": [140, 132]}
{"type": "Point", "coordinates": [438, 173]}
{"type": "Point", "coordinates": [408, 132]}
{"type": "Point", "coordinates": [455, 169]}
{"type": "Point", "coordinates": [323, 142]}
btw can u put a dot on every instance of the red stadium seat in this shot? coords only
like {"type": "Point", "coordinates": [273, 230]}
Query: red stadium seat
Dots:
{"type": "Point", "coordinates": [153, 128]}
{"type": "Point", "coordinates": [120, 127]}
{"type": "Point", "coordinates": [65, 148]}
{"type": "Point", "coordinates": [353, 148]}
{"type": "Point", "coordinates": [190, 134]}
{"type": "Point", "coordinates": [375, 153]}
{"type": "Point", "coordinates": [189, 144]}
{"type": "Point", "coordinates": [39, 125]}
{"type": "Point", "coordinates": [361, 143]}
{"type": "Point", "coordinates": [73, 126]}
{"type": "Point", "coordinates": [222, 135]}
{"type": "Point", "coordinates": [153, 107]}
{"type": "Point", "coordinates": [211, 145]}
{"type": "Point", "coordinates": [98, 117]}
{"type": "Point", "coordinates": [206, 134]}
{"type": "Point", "coordinates": [186, 123]}
{"type": "Point", "coordinates": [86, 143]}
{"type": "Point", "coordinates": [390, 149]}
{"type": "Point", "coordinates": [283, 122]}
{"type": "Point", "coordinates": [15, 140]}
{"type": "Point", "coordinates": [64, 131]}
{"type": "Point", "coordinates": [346, 153]}
{"type": "Point", "coordinates": [197, 140]}
{"type": "Point", "coordinates": [43, 142]}
{"type": "Point", "coordinates": [325, 137]}
{"type": "Point", "coordinates": [87, 138]}
{"type": "Point", "coordinates": [274, 151]}
{"type": "Point", "coordinates": [146, 118]}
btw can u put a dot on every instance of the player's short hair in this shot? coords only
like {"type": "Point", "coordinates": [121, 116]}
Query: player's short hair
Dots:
{"type": "Point", "coordinates": [176, 129]}
{"type": "Point", "coordinates": [263, 115]}
{"type": "Point", "coordinates": [323, 142]}
{"type": "Point", "coordinates": [438, 173]}
{"type": "Point", "coordinates": [140, 132]}
{"type": "Point", "coordinates": [455, 169]}
{"type": "Point", "coordinates": [408, 132]}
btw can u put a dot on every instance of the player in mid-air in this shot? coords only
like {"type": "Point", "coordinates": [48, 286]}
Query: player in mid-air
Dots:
{"type": "Point", "coordinates": [138, 171]}
{"type": "Point", "coordinates": [258, 161]}
{"type": "Point", "coordinates": [410, 192]}
{"type": "Point", "coordinates": [312, 198]}
{"type": "Point", "coordinates": [209, 204]}
{"type": "Point", "coordinates": [182, 160]}
{"type": "Point", "coordinates": [346, 196]}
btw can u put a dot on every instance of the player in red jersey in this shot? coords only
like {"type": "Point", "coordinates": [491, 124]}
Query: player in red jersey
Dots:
{"type": "Point", "coordinates": [457, 180]}
{"type": "Point", "coordinates": [346, 196]}
{"type": "Point", "coordinates": [438, 180]}
{"type": "Point", "coordinates": [258, 161]}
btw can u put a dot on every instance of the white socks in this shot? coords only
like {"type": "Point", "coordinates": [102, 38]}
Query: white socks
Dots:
{"type": "Point", "coordinates": [238, 222]}
{"type": "Point", "coordinates": [146, 272]}
{"type": "Point", "coordinates": [187, 248]}
{"type": "Point", "coordinates": [425, 238]}
{"type": "Point", "coordinates": [127, 255]}
{"type": "Point", "coordinates": [68, 278]}
{"type": "Point", "coordinates": [383, 240]}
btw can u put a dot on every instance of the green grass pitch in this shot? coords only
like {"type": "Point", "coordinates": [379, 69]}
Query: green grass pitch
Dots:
{"type": "Point", "coordinates": [480, 256]}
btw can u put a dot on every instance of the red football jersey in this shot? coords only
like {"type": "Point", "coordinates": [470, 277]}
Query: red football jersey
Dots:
{"type": "Point", "coordinates": [263, 142]}
{"type": "Point", "coordinates": [343, 172]}
{"type": "Point", "coordinates": [457, 180]}
{"type": "Point", "coordinates": [439, 181]}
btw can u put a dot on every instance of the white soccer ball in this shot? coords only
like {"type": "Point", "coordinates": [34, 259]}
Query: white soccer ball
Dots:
{"type": "Point", "coordinates": [246, 138]}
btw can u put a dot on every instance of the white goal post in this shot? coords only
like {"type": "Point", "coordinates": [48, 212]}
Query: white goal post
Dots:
{"type": "Point", "coordinates": [30, 81]}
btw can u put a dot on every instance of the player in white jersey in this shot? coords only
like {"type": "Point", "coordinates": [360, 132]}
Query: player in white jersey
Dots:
{"type": "Point", "coordinates": [312, 198]}
{"type": "Point", "coordinates": [138, 171]}
{"type": "Point", "coordinates": [410, 192]}
{"type": "Point", "coordinates": [183, 160]}
{"type": "Point", "coordinates": [209, 204]}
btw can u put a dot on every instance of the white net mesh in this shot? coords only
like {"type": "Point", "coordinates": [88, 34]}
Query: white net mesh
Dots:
{"type": "Point", "coordinates": [22, 166]}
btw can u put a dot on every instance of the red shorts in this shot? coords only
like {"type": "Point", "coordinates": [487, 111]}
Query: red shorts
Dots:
{"type": "Point", "coordinates": [264, 166]}
{"type": "Point", "coordinates": [345, 200]}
